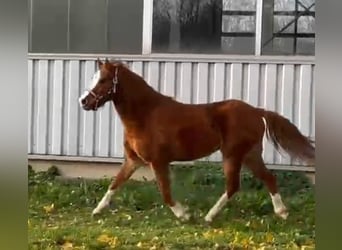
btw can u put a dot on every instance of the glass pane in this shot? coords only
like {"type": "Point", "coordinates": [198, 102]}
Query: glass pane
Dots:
{"type": "Point", "coordinates": [306, 46]}
{"type": "Point", "coordinates": [238, 24]}
{"type": "Point", "coordinates": [88, 26]}
{"type": "Point", "coordinates": [284, 5]}
{"type": "Point", "coordinates": [281, 21]}
{"type": "Point", "coordinates": [306, 24]}
{"type": "Point", "coordinates": [125, 26]}
{"type": "Point", "coordinates": [280, 46]}
{"type": "Point", "coordinates": [307, 4]}
{"type": "Point", "coordinates": [238, 45]}
{"type": "Point", "coordinates": [48, 22]}
{"type": "Point", "coordinates": [239, 5]}
{"type": "Point", "coordinates": [188, 26]}
{"type": "Point", "coordinates": [282, 33]}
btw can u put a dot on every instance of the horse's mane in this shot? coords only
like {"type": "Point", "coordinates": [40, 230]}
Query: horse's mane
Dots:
{"type": "Point", "coordinates": [138, 85]}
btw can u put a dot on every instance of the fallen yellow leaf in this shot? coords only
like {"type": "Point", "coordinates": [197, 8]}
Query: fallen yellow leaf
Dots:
{"type": "Point", "coordinates": [105, 238]}
{"type": "Point", "coordinates": [49, 208]}
{"type": "Point", "coordinates": [269, 238]}
{"type": "Point", "coordinates": [67, 245]}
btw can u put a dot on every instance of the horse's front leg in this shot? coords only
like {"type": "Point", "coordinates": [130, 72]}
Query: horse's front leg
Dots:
{"type": "Point", "coordinates": [161, 172]}
{"type": "Point", "coordinates": [127, 169]}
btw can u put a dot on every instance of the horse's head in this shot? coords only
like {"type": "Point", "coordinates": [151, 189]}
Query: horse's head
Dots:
{"type": "Point", "coordinates": [103, 87]}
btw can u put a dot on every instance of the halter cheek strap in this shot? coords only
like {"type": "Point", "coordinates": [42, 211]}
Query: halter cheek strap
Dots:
{"type": "Point", "coordinates": [110, 92]}
{"type": "Point", "coordinates": [115, 80]}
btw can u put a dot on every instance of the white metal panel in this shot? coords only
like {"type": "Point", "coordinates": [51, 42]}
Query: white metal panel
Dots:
{"type": "Point", "coordinates": [219, 75]}
{"type": "Point", "coordinates": [88, 117]}
{"type": "Point", "coordinates": [118, 138]}
{"type": "Point", "coordinates": [305, 99]}
{"type": "Point", "coordinates": [185, 82]}
{"type": "Point", "coordinates": [42, 107]}
{"type": "Point", "coordinates": [313, 117]}
{"type": "Point", "coordinates": [30, 107]}
{"type": "Point", "coordinates": [153, 75]}
{"type": "Point", "coordinates": [202, 83]}
{"type": "Point", "coordinates": [73, 108]}
{"type": "Point", "coordinates": [169, 80]}
{"type": "Point", "coordinates": [57, 108]}
{"type": "Point", "coordinates": [253, 84]}
{"type": "Point", "coordinates": [270, 104]}
{"type": "Point", "coordinates": [103, 139]}
{"type": "Point", "coordinates": [235, 91]}
{"type": "Point", "coordinates": [55, 116]}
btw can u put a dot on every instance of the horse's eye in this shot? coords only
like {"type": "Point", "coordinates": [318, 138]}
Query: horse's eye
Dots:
{"type": "Point", "coordinates": [102, 81]}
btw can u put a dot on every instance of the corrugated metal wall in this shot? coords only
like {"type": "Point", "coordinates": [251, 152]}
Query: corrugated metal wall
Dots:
{"type": "Point", "coordinates": [57, 125]}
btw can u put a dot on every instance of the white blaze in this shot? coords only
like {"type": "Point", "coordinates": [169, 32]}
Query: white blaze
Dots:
{"type": "Point", "coordinates": [94, 80]}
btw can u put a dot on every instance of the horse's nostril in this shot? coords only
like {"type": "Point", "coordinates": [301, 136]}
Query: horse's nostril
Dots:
{"type": "Point", "coordinates": [84, 101]}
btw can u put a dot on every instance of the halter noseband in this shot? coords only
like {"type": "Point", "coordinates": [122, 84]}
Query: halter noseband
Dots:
{"type": "Point", "coordinates": [111, 91]}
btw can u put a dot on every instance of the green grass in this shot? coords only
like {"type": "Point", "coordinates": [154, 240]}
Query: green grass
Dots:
{"type": "Point", "coordinates": [138, 219]}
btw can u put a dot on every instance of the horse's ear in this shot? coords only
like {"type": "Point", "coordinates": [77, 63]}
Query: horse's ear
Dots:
{"type": "Point", "coordinates": [107, 61]}
{"type": "Point", "coordinates": [98, 62]}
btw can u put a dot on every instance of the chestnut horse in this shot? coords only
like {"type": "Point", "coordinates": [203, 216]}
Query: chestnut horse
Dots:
{"type": "Point", "coordinates": [159, 130]}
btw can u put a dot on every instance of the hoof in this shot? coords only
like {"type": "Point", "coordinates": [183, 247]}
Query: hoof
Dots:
{"type": "Point", "coordinates": [95, 212]}
{"type": "Point", "coordinates": [181, 212]}
{"type": "Point", "coordinates": [282, 214]}
{"type": "Point", "coordinates": [208, 222]}
{"type": "Point", "coordinates": [185, 217]}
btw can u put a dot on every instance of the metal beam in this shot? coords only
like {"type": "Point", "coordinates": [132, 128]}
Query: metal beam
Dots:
{"type": "Point", "coordinates": [147, 27]}
{"type": "Point", "coordinates": [258, 26]}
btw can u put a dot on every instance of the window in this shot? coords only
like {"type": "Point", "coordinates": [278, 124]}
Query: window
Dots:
{"type": "Point", "coordinates": [289, 27]}
{"type": "Point", "coordinates": [85, 26]}
{"type": "Point", "coordinates": [250, 27]}
{"type": "Point", "coordinates": [203, 26]}
{"type": "Point", "coordinates": [238, 27]}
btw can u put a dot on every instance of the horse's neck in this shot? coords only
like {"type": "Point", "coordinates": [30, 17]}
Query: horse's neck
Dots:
{"type": "Point", "coordinates": [136, 101]}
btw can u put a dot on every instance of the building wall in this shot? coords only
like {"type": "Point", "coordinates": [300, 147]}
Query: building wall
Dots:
{"type": "Point", "coordinates": [57, 125]}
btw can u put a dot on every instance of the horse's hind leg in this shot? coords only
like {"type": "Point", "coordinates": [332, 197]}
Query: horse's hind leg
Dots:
{"type": "Point", "coordinates": [127, 169]}
{"type": "Point", "coordinates": [232, 168]}
{"type": "Point", "coordinates": [255, 163]}
{"type": "Point", "coordinates": [161, 172]}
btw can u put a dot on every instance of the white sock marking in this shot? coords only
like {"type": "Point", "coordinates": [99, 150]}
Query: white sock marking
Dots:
{"type": "Point", "coordinates": [278, 206]}
{"type": "Point", "coordinates": [222, 201]}
{"type": "Point", "coordinates": [180, 211]}
{"type": "Point", "coordinates": [104, 202]}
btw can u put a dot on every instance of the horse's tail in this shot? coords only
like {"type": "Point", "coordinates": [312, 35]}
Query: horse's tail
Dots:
{"type": "Point", "coordinates": [286, 135]}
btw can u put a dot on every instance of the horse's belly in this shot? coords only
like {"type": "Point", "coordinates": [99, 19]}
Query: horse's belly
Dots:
{"type": "Point", "coordinates": [196, 143]}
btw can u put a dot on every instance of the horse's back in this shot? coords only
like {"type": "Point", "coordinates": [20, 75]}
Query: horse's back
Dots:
{"type": "Point", "coordinates": [238, 121]}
